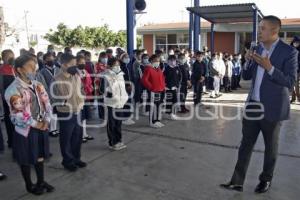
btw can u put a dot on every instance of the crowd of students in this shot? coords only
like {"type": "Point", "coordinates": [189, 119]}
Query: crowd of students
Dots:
{"type": "Point", "coordinates": [52, 94]}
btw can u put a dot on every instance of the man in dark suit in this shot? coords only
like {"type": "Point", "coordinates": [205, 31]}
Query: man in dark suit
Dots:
{"type": "Point", "coordinates": [272, 67]}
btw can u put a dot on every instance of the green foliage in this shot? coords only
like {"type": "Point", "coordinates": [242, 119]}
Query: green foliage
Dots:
{"type": "Point", "coordinates": [88, 37]}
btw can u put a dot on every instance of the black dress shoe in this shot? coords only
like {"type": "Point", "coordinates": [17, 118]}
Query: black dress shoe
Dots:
{"type": "Point", "coordinates": [35, 189]}
{"type": "Point", "coordinates": [81, 164]}
{"type": "Point", "coordinates": [54, 134]}
{"type": "Point", "coordinates": [263, 187]}
{"type": "Point", "coordinates": [47, 187]}
{"type": "Point", "coordinates": [230, 186]}
{"type": "Point", "coordinates": [71, 167]}
{"type": "Point", "coordinates": [2, 176]}
{"type": "Point", "coordinates": [89, 137]}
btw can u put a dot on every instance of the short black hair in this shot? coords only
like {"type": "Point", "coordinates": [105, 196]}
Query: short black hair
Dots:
{"type": "Point", "coordinates": [273, 20]}
{"type": "Point", "coordinates": [66, 58]}
{"type": "Point", "coordinates": [79, 57]}
{"type": "Point", "coordinates": [5, 52]}
{"type": "Point", "coordinates": [112, 61]}
{"type": "Point", "coordinates": [181, 55]}
{"type": "Point", "coordinates": [87, 53]}
{"type": "Point", "coordinates": [153, 57]}
{"type": "Point", "coordinates": [172, 57]}
{"type": "Point", "coordinates": [158, 52]}
{"type": "Point", "coordinates": [102, 54]}
{"type": "Point", "coordinates": [138, 52]}
{"type": "Point", "coordinates": [145, 56]}
{"type": "Point", "coordinates": [109, 51]}
{"type": "Point", "coordinates": [47, 55]}
{"type": "Point", "coordinates": [67, 49]}
{"type": "Point", "coordinates": [199, 53]}
{"type": "Point", "coordinates": [23, 59]}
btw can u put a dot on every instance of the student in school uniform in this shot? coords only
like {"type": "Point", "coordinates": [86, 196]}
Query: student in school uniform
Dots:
{"type": "Point", "coordinates": [30, 112]}
{"type": "Point", "coordinates": [198, 77]}
{"type": "Point", "coordinates": [185, 81]}
{"type": "Point", "coordinates": [7, 76]}
{"type": "Point", "coordinates": [172, 76]}
{"type": "Point", "coordinates": [115, 97]}
{"type": "Point", "coordinates": [87, 84]}
{"type": "Point", "coordinates": [2, 175]}
{"type": "Point", "coordinates": [46, 77]}
{"type": "Point", "coordinates": [69, 101]}
{"type": "Point", "coordinates": [100, 67]}
{"type": "Point", "coordinates": [126, 67]}
{"type": "Point", "coordinates": [154, 81]}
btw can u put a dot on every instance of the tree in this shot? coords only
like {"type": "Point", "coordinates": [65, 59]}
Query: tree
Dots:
{"type": "Point", "coordinates": [88, 37]}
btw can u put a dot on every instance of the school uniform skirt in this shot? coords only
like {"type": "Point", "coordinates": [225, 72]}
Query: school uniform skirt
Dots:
{"type": "Point", "coordinates": [27, 150]}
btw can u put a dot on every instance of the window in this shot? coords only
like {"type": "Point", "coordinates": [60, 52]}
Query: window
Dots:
{"type": "Point", "coordinates": [183, 38]}
{"type": "Point", "coordinates": [171, 41]}
{"type": "Point", "coordinates": [161, 39]}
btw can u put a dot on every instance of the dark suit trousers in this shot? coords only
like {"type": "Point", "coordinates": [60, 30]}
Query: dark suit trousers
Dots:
{"type": "Point", "coordinates": [251, 129]}
{"type": "Point", "coordinates": [70, 138]}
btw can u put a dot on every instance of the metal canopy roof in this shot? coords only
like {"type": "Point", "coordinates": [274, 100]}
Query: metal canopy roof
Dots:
{"type": "Point", "coordinates": [231, 13]}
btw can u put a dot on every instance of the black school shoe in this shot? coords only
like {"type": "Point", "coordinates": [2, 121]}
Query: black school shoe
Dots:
{"type": "Point", "coordinates": [81, 164]}
{"type": "Point", "coordinates": [230, 186]}
{"type": "Point", "coordinates": [2, 176]}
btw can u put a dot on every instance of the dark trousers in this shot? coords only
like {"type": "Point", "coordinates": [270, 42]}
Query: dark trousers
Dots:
{"type": "Point", "coordinates": [183, 95]}
{"type": "Point", "coordinates": [1, 141]}
{"type": "Point", "coordinates": [70, 138]}
{"type": "Point", "coordinates": [251, 129]}
{"type": "Point", "coordinates": [198, 89]}
{"type": "Point", "coordinates": [238, 81]}
{"type": "Point", "coordinates": [296, 92]}
{"type": "Point", "coordinates": [114, 126]}
{"type": "Point", "coordinates": [101, 108]}
{"type": "Point", "coordinates": [9, 126]}
{"type": "Point", "coordinates": [227, 85]}
{"type": "Point", "coordinates": [234, 82]}
{"type": "Point", "coordinates": [171, 99]}
{"type": "Point", "coordinates": [156, 100]}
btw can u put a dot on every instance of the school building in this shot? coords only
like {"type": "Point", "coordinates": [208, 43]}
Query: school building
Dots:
{"type": "Point", "coordinates": [229, 38]}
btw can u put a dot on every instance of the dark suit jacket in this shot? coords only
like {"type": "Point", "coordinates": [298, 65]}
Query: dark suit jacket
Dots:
{"type": "Point", "coordinates": [275, 89]}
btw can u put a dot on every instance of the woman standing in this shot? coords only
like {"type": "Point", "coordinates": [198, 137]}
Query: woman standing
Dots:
{"type": "Point", "coordinates": [30, 112]}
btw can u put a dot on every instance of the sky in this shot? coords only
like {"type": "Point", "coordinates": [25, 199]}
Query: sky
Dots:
{"type": "Point", "coordinates": [43, 15]}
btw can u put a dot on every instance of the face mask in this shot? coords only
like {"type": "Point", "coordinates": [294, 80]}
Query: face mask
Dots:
{"type": "Point", "coordinates": [11, 61]}
{"type": "Point", "coordinates": [162, 58]}
{"type": "Point", "coordinates": [126, 60]}
{"type": "Point", "coordinates": [146, 61]}
{"type": "Point", "coordinates": [72, 70]}
{"type": "Point", "coordinates": [116, 69]}
{"type": "Point", "coordinates": [31, 76]}
{"type": "Point", "coordinates": [193, 60]}
{"type": "Point", "coordinates": [182, 61]}
{"type": "Point", "coordinates": [155, 65]}
{"type": "Point", "coordinates": [50, 63]}
{"type": "Point", "coordinates": [81, 66]}
{"type": "Point", "coordinates": [103, 60]}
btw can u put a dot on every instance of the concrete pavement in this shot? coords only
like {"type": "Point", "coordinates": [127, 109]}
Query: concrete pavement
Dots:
{"type": "Point", "coordinates": [185, 160]}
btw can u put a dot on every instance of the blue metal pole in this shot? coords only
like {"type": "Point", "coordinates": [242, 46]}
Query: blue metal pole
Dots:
{"type": "Point", "coordinates": [255, 23]}
{"type": "Point", "coordinates": [191, 31]}
{"type": "Point", "coordinates": [212, 38]}
{"type": "Point", "coordinates": [196, 28]}
{"type": "Point", "coordinates": [130, 26]}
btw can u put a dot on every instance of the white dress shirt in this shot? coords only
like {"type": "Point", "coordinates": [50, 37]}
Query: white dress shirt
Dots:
{"type": "Point", "coordinates": [261, 71]}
